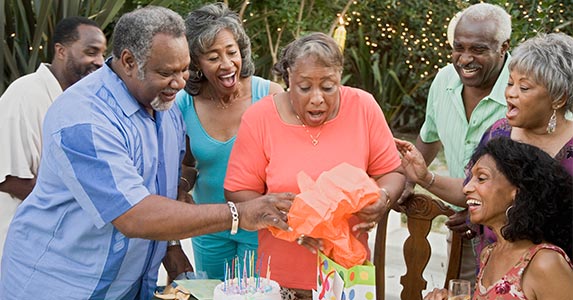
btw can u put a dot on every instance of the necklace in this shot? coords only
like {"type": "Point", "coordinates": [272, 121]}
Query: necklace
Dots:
{"type": "Point", "coordinates": [224, 105]}
{"type": "Point", "coordinates": [314, 140]}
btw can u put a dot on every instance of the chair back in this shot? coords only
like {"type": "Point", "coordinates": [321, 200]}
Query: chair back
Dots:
{"type": "Point", "coordinates": [421, 210]}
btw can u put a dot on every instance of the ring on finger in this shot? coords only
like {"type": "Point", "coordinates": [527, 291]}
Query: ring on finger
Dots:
{"type": "Point", "coordinates": [300, 239]}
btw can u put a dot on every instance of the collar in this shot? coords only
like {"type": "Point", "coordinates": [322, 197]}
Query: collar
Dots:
{"type": "Point", "coordinates": [128, 104]}
{"type": "Point", "coordinates": [497, 93]}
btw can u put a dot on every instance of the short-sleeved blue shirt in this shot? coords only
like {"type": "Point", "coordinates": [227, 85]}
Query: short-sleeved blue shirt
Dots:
{"type": "Point", "coordinates": [103, 153]}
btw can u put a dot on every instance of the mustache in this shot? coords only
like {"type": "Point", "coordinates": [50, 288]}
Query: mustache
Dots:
{"type": "Point", "coordinates": [468, 66]}
{"type": "Point", "coordinates": [170, 90]}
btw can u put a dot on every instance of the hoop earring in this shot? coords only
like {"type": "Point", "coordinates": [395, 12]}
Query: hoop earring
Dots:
{"type": "Point", "coordinates": [507, 211]}
{"type": "Point", "coordinates": [197, 75]}
{"type": "Point", "coordinates": [552, 123]}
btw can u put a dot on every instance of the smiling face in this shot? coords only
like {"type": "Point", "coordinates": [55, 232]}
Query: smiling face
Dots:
{"type": "Point", "coordinates": [529, 105]}
{"type": "Point", "coordinates": [488, 193]}
{"type": "Point", "coordinates": [221, 63]}
{"type": "Point", "coordinates": [84, 55]}
{"type": "Point", "coordinates": [477, 57]}
{"type": "Point", "coordinates": [164, 74]}
{"type": "Point", "coordinates": [314, 90]}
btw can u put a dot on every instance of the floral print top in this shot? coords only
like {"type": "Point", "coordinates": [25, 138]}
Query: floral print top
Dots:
{"type": "Point", "coordinates": [501, 128]}
{"type": "Point", "coordinates": [509, 286]}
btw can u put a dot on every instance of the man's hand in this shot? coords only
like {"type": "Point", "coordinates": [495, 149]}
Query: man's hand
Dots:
{"type": "Point", "coordinates": [176, 262]}
{"type": "Point", "coordinates": [458, 222]}
{"type": "Point", "coordinates": [408, 191]}
{"type": "Point", "coordinates": [265, 211]}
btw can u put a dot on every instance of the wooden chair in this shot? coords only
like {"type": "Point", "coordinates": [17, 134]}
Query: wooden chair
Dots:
{"type": "Point", "coordinates": [420, 210]}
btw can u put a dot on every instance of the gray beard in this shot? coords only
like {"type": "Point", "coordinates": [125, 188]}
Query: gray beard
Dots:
{"type": "Point", "coordinates": [159, 105]}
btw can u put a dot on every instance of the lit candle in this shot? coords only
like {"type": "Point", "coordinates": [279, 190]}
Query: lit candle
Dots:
{"type": "Point", "coordinates": [340, 34]}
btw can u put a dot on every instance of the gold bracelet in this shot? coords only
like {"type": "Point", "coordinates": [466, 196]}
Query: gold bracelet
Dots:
{"type": "Point", "coordinates": [187, 182]}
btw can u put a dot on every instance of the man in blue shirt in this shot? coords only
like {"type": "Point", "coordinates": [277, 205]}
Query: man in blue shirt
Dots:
{"type": "Point", "coordinates": [95, 225]}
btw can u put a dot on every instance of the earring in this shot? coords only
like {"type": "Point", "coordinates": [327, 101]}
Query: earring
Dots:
{"type": "Point", "coordinates": [552, 123]}
{"type": "Point", "coordinates": [198, 75]}
{"type": "Point", "coordinates": [507, 211]}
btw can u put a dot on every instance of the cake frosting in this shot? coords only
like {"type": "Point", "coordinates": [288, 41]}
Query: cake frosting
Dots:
{"type": "Point", "coordinates": [231, 290]}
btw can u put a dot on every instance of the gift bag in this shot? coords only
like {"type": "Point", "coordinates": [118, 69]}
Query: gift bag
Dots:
{"type": "Point", "coordinates": [335, 282]}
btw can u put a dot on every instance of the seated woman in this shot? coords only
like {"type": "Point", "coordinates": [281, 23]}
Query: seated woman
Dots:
{"type": "Point", "coordinates": [526, 198]}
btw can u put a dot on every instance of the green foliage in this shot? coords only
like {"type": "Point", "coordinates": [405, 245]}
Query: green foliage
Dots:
{"type": "Point", "coordinates": [26, 27]}
{"type": "Point", "coordinates": [393, 48]}
{"type": "Point", "coordinates": [408, 41]}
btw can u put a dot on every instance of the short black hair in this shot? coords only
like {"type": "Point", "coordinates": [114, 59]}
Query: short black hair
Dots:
{"type": "Point", "coordinates": [543, 207]}
{"type": "Point", "coordinates": [66, 31]}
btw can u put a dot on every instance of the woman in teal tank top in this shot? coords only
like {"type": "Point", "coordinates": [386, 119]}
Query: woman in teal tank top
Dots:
{"type": "Point", "coordinates": [220, 88]}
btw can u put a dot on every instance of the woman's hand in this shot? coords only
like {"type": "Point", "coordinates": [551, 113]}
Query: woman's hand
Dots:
{"type": "Point", "coordinates": [310, 243]}
{"type": "Point", "coordinates": [371, 214]}
{"type": "Point", "coordinates": [413, 162]}
{"type": "Point", "coordinates": [437, 294]}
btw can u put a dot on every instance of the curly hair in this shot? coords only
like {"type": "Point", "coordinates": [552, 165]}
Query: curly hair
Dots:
{"type": "Point", "coordinates": [542, 210]}
{"type": "Point", "coordinates": [202, 26]}
{"type": "Point", "coordinates": [317, 44]}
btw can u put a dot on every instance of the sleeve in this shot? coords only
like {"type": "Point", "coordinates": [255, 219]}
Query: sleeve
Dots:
{"type": "Point", "coordinates": [248, 161]}
{"type": "Point", "coordinates": [20, 135]}
{"type": "Point", "coordinates": [429, 130]}
{"type": "Point", "coordinates": [94, 164]}
{"type": "Point", "coordinates": [384, 156]}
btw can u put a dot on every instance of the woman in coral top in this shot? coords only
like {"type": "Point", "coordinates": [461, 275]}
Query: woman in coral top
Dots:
{"type": "Point", "coordinates": [526, 198]}
{"type": "Point", "coordinates": [314, 126]}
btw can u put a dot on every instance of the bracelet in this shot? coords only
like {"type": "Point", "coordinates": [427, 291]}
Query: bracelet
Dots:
{"type": "Point", "coordinates": [173, 243]}
{"type": "Point", "coordinates": [235, 215]}
{"type": "Point", "coordinates": [186, 181]}
{"type": "Point", "coordinates": [385, 191]}
{"type": "Point", "coordinates": [431, 180]}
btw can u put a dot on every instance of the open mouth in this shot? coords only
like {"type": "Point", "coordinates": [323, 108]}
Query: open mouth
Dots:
{"type": "Point", "coordinates": [228, 80]}
{"type": "Point", "coordinates": [473, 202]}
{"type": "Point", "coordinates": [316, 116]}
{"type": "Point", "coordinates": [512, 111]}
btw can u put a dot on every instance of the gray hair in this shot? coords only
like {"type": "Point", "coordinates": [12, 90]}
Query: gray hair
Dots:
{"type": "Point", "coordinates": [547, 59]}
{"type": "Point", "coordinates": [317, 44]}
{"type": "Point", "coordinates": [135, 31]}
{"type": "Point", "coordinates": [485, 12]}
{"type": "Point", "coordinates": [203, 25]}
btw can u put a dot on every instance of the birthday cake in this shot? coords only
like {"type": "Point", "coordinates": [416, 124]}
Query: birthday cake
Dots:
{"type": "Point", "coordinates": [268, 290]}
{"type": "Point", "coordinates": [243, 281]}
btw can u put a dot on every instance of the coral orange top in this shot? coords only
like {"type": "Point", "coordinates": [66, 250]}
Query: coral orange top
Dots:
{"type": "Point", "coordinates": [269, 153]}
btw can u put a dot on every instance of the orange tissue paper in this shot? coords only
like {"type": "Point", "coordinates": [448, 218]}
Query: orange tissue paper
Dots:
{"type": "Point", "coordinates": [323, 209]}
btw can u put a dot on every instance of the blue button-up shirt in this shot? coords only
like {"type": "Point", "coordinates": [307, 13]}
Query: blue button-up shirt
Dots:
{"type": "Point", "coordinates": [103, 153]}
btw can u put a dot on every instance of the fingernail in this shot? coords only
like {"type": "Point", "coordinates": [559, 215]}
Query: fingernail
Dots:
{"type": "Point", "coordinates": [289, 229]}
